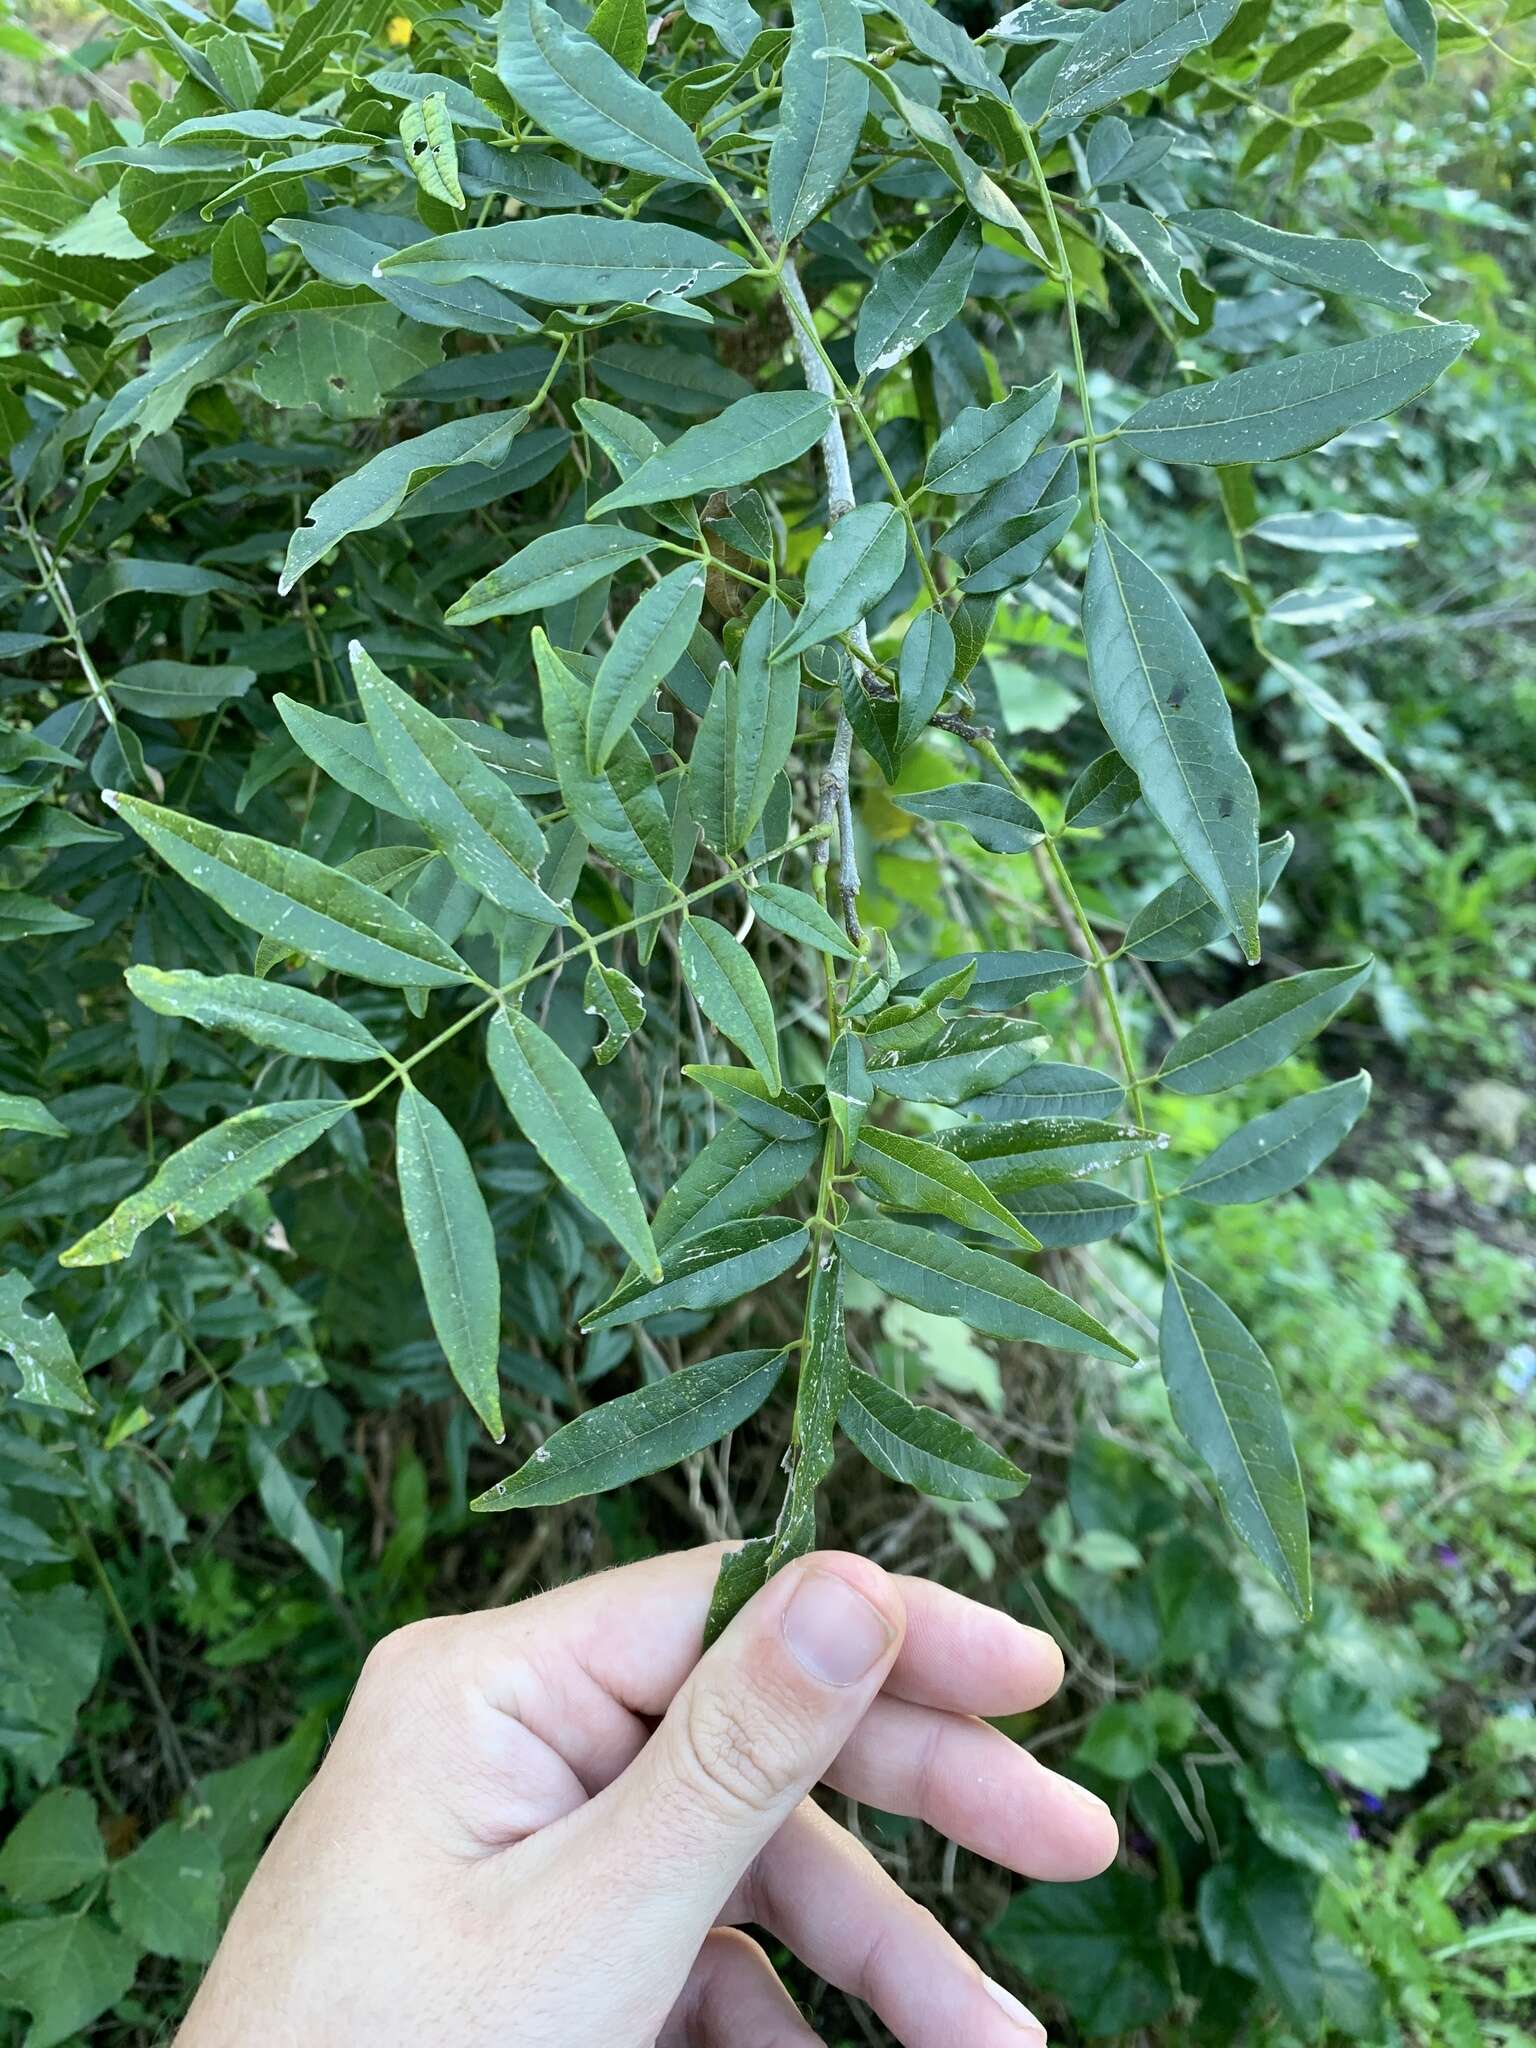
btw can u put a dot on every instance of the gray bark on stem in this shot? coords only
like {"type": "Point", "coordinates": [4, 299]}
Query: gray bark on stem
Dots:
{"type": "Point", "coordinates": [836, 801]}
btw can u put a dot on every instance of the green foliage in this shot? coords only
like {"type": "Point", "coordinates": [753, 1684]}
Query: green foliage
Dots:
{"type": "Point", "coordinates": [496, 535]}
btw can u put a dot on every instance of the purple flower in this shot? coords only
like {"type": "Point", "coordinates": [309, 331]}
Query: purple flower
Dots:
{"type": "Point", "coordinates": [1446, 1557]}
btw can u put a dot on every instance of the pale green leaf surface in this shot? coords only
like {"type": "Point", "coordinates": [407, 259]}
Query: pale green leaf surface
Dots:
{"type": "Point", "coordinates": [455, 1250]}
{"type": "Point", "coordinates": [924, 1447]}
{"type": "Point", "coordinates": [707, 1271]}
{"type": "Point", "coordinates": [1226, 1401]}
{"type": "Point", "coordinates": [643, 1432]}
{"type": "Point", "coordinates": [1277, 1151]}
{"type": "Point", "coordinates": [53, 1849]}
{"type": "Point", "coordinates": [166, 1894]}
{"type": "Point", "coordinates": [652, 639]}
{"type": "Point", "coordinates": [1278, 409]}
{"type": "Point", "coordinates": [1326, 263]}
{"type": "Point", "coordinates": [917, 293]}
{"type": "Point", "coordinates": [586, 99]}
{"type": "Point", "coordinates": [746, 734]}
{"type": "Point", "coordinates": [754, 435]}
{"type": "Point", "coordinates": [41, 1352]}
{"type": "Point", "coordinates": [1163, 708]}
{"type": "Point", "coordinates": [1126, 49]}
{"type": "Point", "coordinates": [465, 808]}
{"type": "Point", "coordinates": [988, 1292]}
{"type": "Point", "coordinates": [729, 990]}
{"type": "Point", "coordinates": [376, 491]}
{"type": "Point", "coordinates": [574, 260]}
{"type": "Point", "coordinates": [564, 1122]}
{"type": "Point", "coordinates": [985, 444]}
{"type": "Point", "coordinates": [66, 1972]}
{"type": "Point", "coordinates": [555, 567]}
{"type": "Point", "coordinates": [852, 569]}
{"type": "Point", "coordinates": [289, 1019]}
{"type": "Point", "coordinates": [909, 1173]}
{"type": "Point", "coordinates": [287, 896]}
{"type": "Point", "coordinates": [1258, 1030]}
{"type": "Point", "coordinates": [208, 1175]}
{"type": "Point", "coordinates": [820, 114]}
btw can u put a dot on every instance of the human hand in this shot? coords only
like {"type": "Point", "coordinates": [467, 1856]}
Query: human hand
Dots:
{"type": "Point", "coordinates": [504, 1847]}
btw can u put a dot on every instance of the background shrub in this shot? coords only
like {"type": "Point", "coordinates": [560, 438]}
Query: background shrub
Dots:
{"type": "Point", "coordinates": [659, 690]}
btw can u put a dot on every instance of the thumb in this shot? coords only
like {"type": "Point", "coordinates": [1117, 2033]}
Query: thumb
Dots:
{"type": "Point", "coordinates": [756, 1723]}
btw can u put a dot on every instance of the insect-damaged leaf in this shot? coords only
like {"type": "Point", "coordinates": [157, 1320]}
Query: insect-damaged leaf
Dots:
{"type": "Point", "coordinates": [426, 129]}
{"type": "Point", "coordinates": [41, 1352]}
{"type": "Point", "coordinates": [1164, 709]}
{"type": "Point", "coordinates": [455, 1249]}
{"type": "Point", "coordinates": [564, 1122]}
{"type": "Point", "coordinates": [642, 1432]}
{"type": "Point", "coordinates": [987, 443]}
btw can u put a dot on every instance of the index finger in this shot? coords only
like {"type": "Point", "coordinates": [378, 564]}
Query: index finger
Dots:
{"type": "Point", "coordinates": [638, 1631]}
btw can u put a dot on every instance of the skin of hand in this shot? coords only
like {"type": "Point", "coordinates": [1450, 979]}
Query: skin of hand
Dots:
{"type": "Point", "coordinates": [541, 1827]}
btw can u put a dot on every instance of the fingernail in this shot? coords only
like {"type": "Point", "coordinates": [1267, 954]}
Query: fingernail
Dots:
{"type": "Point", "coordinates": [1021, 2015]}
{"type": "Point", "coordinates": [832, 1631]}
{"type": "Point", "coordinates": [1083, 1797]}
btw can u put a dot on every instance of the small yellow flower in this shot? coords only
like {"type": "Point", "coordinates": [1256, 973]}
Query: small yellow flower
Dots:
{"type": "Point", "coordinates": [397, 31]}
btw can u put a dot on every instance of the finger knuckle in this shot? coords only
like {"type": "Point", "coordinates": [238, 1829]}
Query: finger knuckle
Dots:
{"type": "Point", "coordinates": [402, 1650]}
{"type": "Point", "coordinates": [731, 1752]}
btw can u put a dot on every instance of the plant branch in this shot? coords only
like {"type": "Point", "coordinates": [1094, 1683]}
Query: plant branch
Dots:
{"type": "Point", "coordinates": [836, 798]}
{"type": "Point", "coordinates": [1064, 278]}
{"type": "Point", "coordinates": [1104, 974]}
